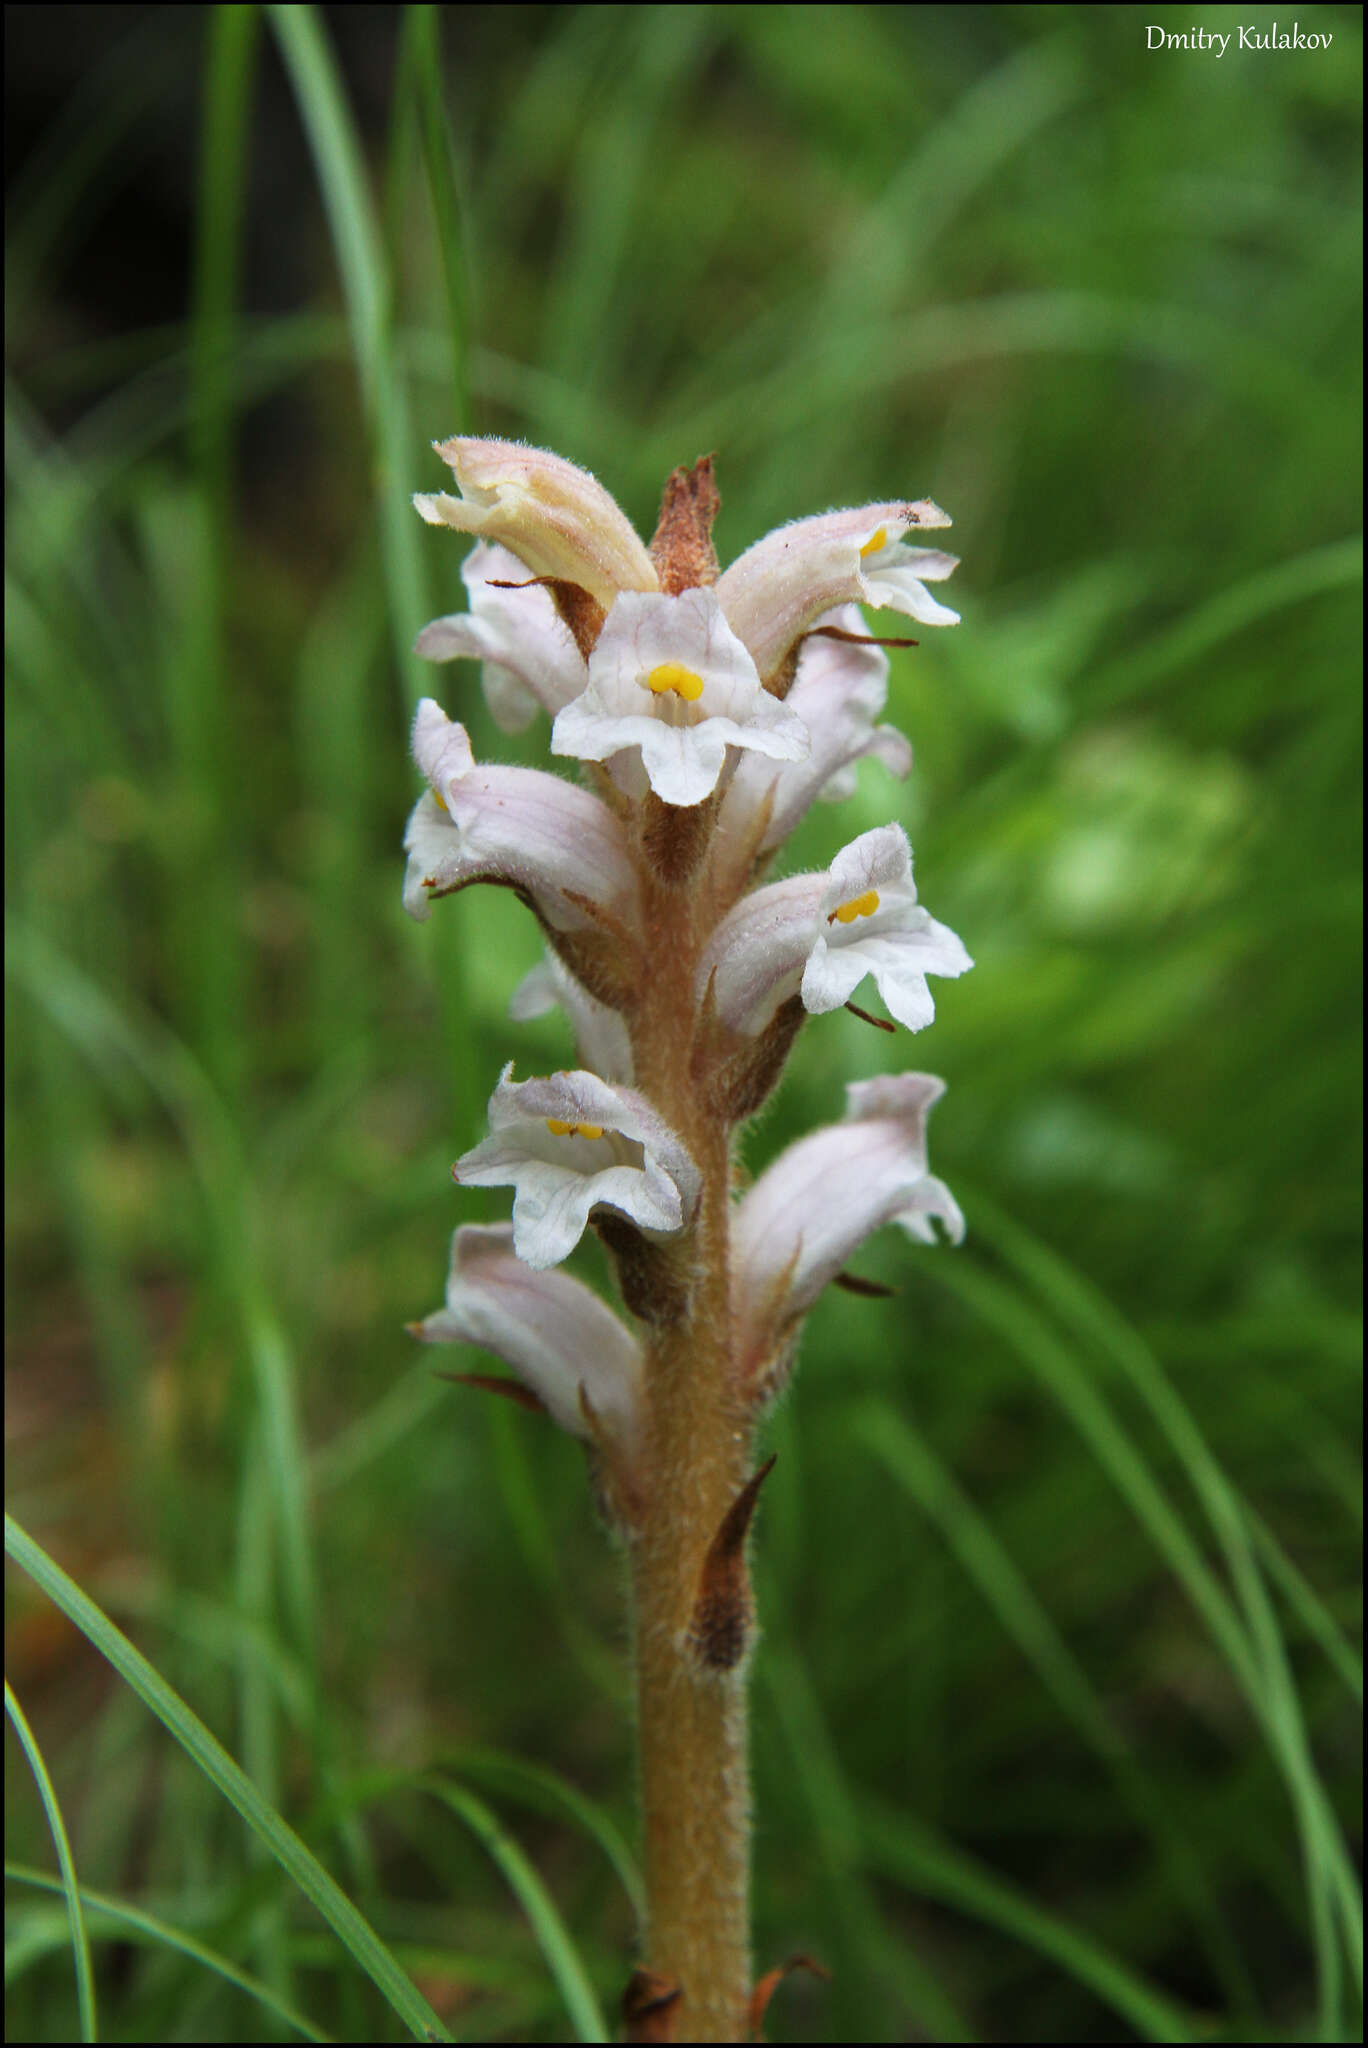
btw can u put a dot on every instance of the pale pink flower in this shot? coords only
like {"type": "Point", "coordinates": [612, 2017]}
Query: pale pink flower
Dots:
{"type": "Point", "coordinates": [565, 1345]}
{"type": "Point", "coordinates": [570, 1143]}
{"type": "Point", "coordinates": [811, 1210]}
{"type": "Point", "coordinates": [668, 676]}
{"type": "Point", "coordinates": [821, 934]}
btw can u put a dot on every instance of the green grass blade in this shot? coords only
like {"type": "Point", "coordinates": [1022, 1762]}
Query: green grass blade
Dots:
{"type": "Point", "coordinates": [367, 289]}
{"type": "Point", "coordinates": [357, 1937]}
{"type": "Point", "coordinates": [900, 1849]}
{"type": "Point", "coordinates": [562, 1957]}
{"type": "Point", "coordinates": [47, 1792]}
{"type": "Point", "coordinates": [987, 1563]}
{"type": "Point", "coordinates": [131, 1923]}
{"type": "Point", "coordinates": [547, 1792]}
{"type": "Point", "coordinates": [423, 29]}
{"type": "Point", "coordinates": [1332, 1890]}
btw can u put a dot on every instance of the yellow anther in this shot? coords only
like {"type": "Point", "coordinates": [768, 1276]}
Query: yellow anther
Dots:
{"type": "Point", "coordinates": [560, 1129]}
{"type": "Point", "coordinates": [878, 539]}
{"type": "Point", "coordinates": [672, 675]}
{"type": "Point", "coordinates": [863, 905]}
{"type": "Point", "coordinates": [441, 801]}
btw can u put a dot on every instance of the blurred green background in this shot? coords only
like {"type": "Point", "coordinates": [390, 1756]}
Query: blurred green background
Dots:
{"type": "Point", "coordinates": [1057, 1707]}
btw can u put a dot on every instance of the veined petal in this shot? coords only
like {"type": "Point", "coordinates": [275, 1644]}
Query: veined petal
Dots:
{"type": "Point", "coordinates": [838, 692]}
{"type": "Point", "coordinates": [514, 825]}
{"type": "Point", "coordinates": [822, 934]}
{"type": "Point", "coordinates": [780, 587]}
{"type": "Point", "coordinates": [796, 1227]}
{"type": "Point", "coordinates": [668, 676]}
{"type": "Point", "coordinates": [569, 1143]}
{"type": "Point", "coordinates": [555, 517]}
{"type": "Point", "coordinates": [529, 654]}
{"type": "Point", "coordinates": [554, 1332]}
{"type": "Point", "coordinates": [600, 1035]}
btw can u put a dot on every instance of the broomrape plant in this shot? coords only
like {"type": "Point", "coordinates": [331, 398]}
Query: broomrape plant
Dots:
{"type": "Point", "coordinates": [708, 711]}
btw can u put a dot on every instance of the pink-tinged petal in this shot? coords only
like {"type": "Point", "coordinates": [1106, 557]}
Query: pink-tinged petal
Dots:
{"type": "Point", "coordinates": [555, 1333]}
{"type": "Point", "coordinates": [600, 1035]}
{"type": "Point", "coordinates": [555, 517]}
{"type": "Point", "coordinates": [518, 826]}
{"type": "Point", "coordinates": [838, 692]}
{"type": "Point", "coordinates": [755, 958]}
{"type": "Point", "coordinates": [571, 1143]}
{"type": "Point", "coordinates": [889, 936]}
{"type": "Point", "coordinates": [822, 934]}
{"type": "Point", "coordinates": [529, 655]}
{"type": "Point", "coordinates": [683, 739]}
{"type": "Point", "coordinates": [779, 588]}
{"type": "Point", "coordinates": [804, 1218]}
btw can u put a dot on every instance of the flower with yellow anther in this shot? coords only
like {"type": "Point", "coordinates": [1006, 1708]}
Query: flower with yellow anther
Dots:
{"type": "Point", "coordinates": [672, 675]}
{"type": "Point", "coordinates": [863, 905]}
{"type": "Point", "coordinates": [669, 678]}
{"type": "Point", "coordinates": [820, 935]}
{"type": "Point", "coordinates": [572, 1143]}
{"type": "Point", "coordinates": [778, 590]}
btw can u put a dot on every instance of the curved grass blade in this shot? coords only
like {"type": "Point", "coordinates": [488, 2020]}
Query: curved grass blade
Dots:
{"type": "Point", "coordinates": [1257, 1665]}
{"type": "Point", "coordinates": [988, 1564]}
{"type": "Point", "coordinates": [545, 1791]}
{"type": "Point", "coordinates": [562, 1957]}
{"type": "Point", "coordinates": [80, 1940]}
{"type": "Point", "coordinates": [356, 1935]}
{"type": "Point", "coordinates": [911, 1855]}
{"type": "Point", "coordinates": [130, 1923]}
{"type": "Point", "coordinates": [356, 239]}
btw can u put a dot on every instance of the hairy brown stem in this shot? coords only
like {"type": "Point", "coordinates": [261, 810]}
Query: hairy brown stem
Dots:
{"type": "Point", "coordinates": [691, 1704]}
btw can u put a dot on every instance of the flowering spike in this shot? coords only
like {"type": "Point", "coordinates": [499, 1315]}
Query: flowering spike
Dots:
{"type": "Point", "coordinates": [699, 717]}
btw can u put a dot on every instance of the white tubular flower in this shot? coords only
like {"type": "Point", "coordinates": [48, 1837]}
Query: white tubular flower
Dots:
{"type": "Point", "coordinates": [546, 837]}
{"type": "Point", "coordinates": [669, 676]}
{"type": "Point", "coordinates": [838, 692]}
{"type": "Point", "coordinates": [530, 657]}
{"type": "Point", "coordinates": [823, 933]}
{"type": "Point", "coordinates": [600, 1035]}
{"type": "Point", "coordinates": [803, 1218]}
{"type": "Point", "coordinates": [565, 1345]}
{"type": "Point", "coordinates": [555, 517]}
{"type": "Point", "coordinates": [570, 1143]}
{"type": "Point", "coordinates": [778, 589]}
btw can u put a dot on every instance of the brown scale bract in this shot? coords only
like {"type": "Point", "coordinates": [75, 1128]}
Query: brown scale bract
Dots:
{"type": "Point", "coordinates": [682, 547]}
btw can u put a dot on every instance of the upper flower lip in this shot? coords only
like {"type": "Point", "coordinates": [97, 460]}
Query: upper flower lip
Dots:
{"type": "Point", "coordinates": [571, 1142]}
{"type": "Point", "coordinates": [554, 516]}
{"type": "Point", "coordinates": [683, 742]}
{"type": "Point", "coordinates": [773, 593]}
